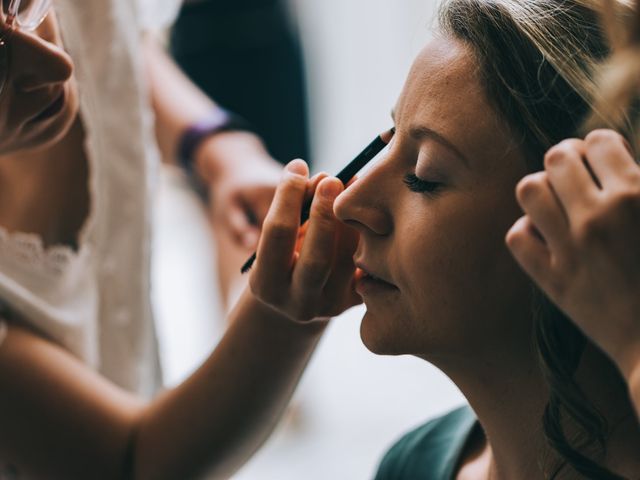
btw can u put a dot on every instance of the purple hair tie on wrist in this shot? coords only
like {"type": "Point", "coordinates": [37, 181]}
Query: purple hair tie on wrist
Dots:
{"type": "Point", "coordinates": [217, 121]}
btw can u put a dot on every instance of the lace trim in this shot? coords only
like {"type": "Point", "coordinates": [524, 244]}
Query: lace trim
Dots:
{"type": "Point", "coordinates": [29, 249]}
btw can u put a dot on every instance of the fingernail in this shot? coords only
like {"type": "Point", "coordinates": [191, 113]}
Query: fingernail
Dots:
{"type": "Point", "coordinates": [298, 167]}
{"type": "Point", "coordinates": [330, 188]}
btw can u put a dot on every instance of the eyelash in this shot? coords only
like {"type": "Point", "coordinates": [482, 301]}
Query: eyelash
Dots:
{"type": "Point", "coordinates": [418, 185]}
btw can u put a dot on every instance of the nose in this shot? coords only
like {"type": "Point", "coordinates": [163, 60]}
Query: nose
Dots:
{"type": "Point", "coordinates": [36, 63]}
{"type": "Point", "coordinates": [364, 204]}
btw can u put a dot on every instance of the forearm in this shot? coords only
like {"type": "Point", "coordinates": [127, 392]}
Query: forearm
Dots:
{"type": "Point", "coordinates": [60, 419]}
{"type": "Point", "coordinates": [177, 102]}
{"type": "Point", "coordinates": [227, 409]}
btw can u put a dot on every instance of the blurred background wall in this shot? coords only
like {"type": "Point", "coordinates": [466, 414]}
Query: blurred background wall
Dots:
{"type": "Point", "coordinates": [351, 404]}
{"type": "Point", "coordinates": [358, 53]}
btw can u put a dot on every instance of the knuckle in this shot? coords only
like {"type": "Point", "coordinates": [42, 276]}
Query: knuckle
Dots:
{"type": "Point", "coordinates": [294, 182]}
{"type": "Point", "coordinates": [530, 187]}
{"type": "Point", "coordinates": [280, 230]}
{"type": "Point", "coordinates": [569, 145]}
{"type": "Point", "coordinates": [603, 136]}
{"type": "Point", "coordinates": [515, 239]}
{"type": "Point", "coordinates": [516, 232]}
{"type": "Point", "coordinates": [324, 218]}
{"type": "Point", "coordinates": [560, 153]}
{"type": "Point", "coordinates": [313, 272]}
{"type": "Point", "coordinates": [323, 207]}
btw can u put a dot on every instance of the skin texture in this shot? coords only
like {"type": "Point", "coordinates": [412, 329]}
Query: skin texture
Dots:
{"type": "Point", "coordinates": [216, 419]}
{"type": "Point", "coordinates": [426, 243]}
{"type": "Point", "coordinates": [448, 289]}
{"type": "Point", "coordinates": [39, 72]}
{"type": "Point", "coordinates": [34, 190]}
{"type": "Point", "coordinates": [458, 295]}
{"type": "Point", "coordinates": [303, 281]}
{"type": "Point", "coordinates": [578, 241]}
{"type": "Point", "coordinates": [213, 422]}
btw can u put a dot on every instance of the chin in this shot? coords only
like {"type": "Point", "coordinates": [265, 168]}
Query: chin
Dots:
{"type": "Point", "coordinates": [380, 335]}
{"type": "Point", "coordinates": [398, 333]}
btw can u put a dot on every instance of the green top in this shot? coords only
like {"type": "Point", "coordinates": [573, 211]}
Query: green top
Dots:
{"type": "Point", "coordinates": [430, 452]}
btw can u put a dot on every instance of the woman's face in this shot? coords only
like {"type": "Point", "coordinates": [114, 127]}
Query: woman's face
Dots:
{"type": "Point", "coordinates": [432, 217]}
{"type": "Point", "coordinates": [39, 101]}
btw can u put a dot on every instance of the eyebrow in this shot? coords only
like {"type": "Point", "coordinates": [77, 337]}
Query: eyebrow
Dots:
{"type": "Point", "coordinates": [422, 132]}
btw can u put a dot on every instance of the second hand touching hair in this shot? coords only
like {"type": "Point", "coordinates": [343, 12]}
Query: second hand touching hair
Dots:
{"type": "Point", "coordinates": [588, 264]}
{"type": "Point", "coordinates": [542, 113]}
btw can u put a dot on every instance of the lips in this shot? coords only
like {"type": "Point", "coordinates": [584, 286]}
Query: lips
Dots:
{"type": "Point", "coordinates": [369, 283]}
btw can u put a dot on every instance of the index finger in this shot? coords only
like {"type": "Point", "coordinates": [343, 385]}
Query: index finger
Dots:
{"type": "Point", "coordinates": [316, 258]}
{"type": "Point", "coordinates": [275, 254]}
{"type": "Point", "coordinates": [570, 178]}
{"type": "Point", "coordinates": [609, 156]}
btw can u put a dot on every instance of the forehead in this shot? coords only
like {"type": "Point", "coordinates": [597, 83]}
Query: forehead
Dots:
{"type": "Point", "coordinates": [443, 92]}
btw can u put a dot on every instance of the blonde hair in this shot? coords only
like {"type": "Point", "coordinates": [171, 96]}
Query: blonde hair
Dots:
{"type": "Point", "coordinates": [573, 47]}
{"type": "Point", "coordinates": [618, 79]}
{"type": "Point", "coordinates": [541, 64]}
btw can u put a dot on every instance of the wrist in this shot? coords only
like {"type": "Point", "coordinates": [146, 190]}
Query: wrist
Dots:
{"type": "Point", "coordinates": [312, 327]}
{"type": "Point", "coordinates": [219, 153]}
{"type": "Point", "coordinates": [217, 122]}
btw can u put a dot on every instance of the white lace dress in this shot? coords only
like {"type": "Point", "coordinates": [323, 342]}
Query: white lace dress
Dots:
{"type": "Point", "coordinates": [95, 301]}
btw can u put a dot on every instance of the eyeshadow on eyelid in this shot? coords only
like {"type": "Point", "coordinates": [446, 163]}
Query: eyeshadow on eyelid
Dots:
{"type": "Point", "coordinates": [430, 162]}
{"type": "Point", "coordinates": [430, 174]}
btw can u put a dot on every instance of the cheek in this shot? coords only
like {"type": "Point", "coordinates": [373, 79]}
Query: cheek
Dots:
{"type": "Point", "coordinates": [455, 268]}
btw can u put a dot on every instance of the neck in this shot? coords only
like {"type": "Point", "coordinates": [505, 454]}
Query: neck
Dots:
{"type": "Point", "coordinates": [508, 394]}
{"type": "Point", "coordinates": [45, 191]}
{"type": "Point", "coordinates": [506, 390]}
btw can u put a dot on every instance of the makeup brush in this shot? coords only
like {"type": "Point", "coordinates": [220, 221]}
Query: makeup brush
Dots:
{"type": "Point", "coordinates": [345, 175]}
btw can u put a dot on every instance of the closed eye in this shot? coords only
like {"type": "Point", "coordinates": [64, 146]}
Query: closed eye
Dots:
{"type": "Point", "coordinates": [418, 185]}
